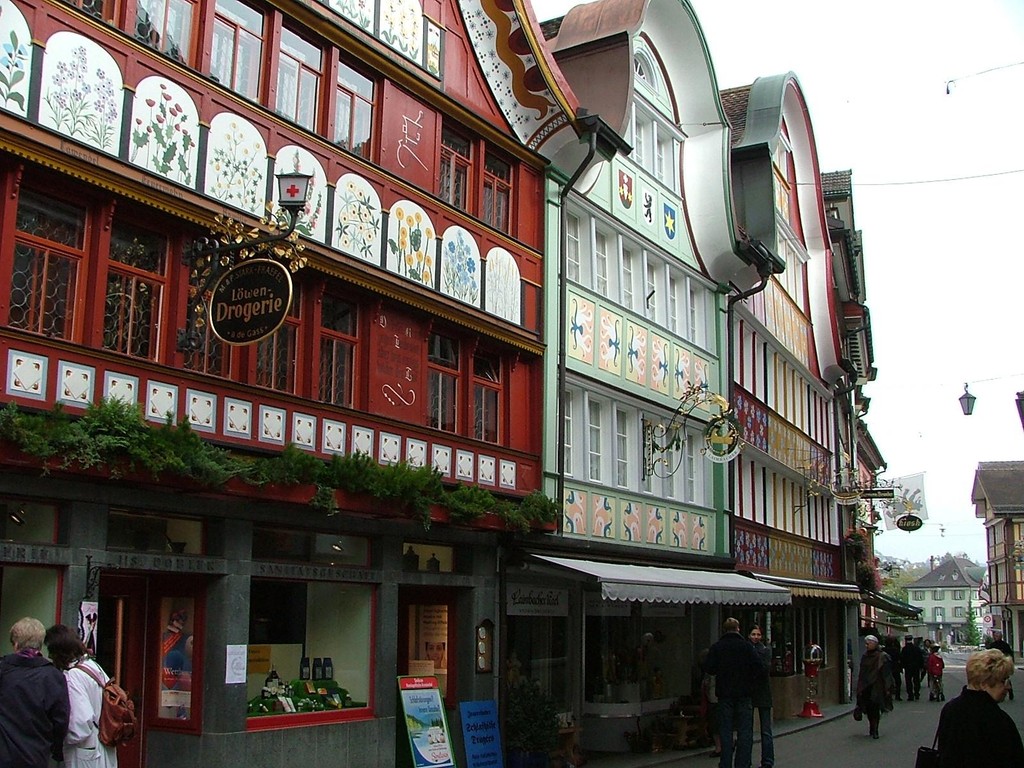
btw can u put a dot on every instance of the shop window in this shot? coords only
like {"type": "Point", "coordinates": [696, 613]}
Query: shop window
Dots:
{"type": "Point", "coordinates": [276, 355]}
{"type": "Point", "coordinates": [309, 547]}
{"type": "Point", "coordinates": [136, 275]}
{"type": "Point", "coordinates": [443, 364]}
{"type": "Point", "coordinates": [165, 25]}
{"type": "Point", "coordinates": [101, 9]}
{"type": "Point", "coordinates": [298, 80]}
{"type": "Point", "coordinates": [213, 356]}
{"type": "Point", "coordinates": [237, 51]}
{"type": "Point", "coordinates": [497, 192]}
{"type": "Point", "coordinates": [456, 163]}
{"type": "Point", "coordinates": [309, 651]}
{"type": "Point", "coordinates": [337, 350]}
{"type": "Point", "coordinates": [153, 533]}
{"type": "Point", "coordinates": [27, 591]}
{"type": "Point", "coordinates": [486, 397]}
{"type": "Point", "coordinates": [48, 252]}
{"type": "Point", "coordinates": [427, 651]}
{"type": "Point", "coordinates": [353, 115]}
{"type": "Point", "coordinates": [27, 521]}
{"type": "Point", "coordinates": [778, 631]}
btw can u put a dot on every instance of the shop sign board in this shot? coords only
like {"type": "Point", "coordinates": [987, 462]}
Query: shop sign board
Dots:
{"type": "Point", "coordinates": [878, 494]}
{"type": "Point", "coordinates": [250, 301]}
{"type": "Point", "coordinates": [480, 734]}
{"type": "Point", "coordinates": [909, 523]}
{"type": "Point", "coordinates": [426, 725]}
{"type": "Point", "coordinates": [523, 600]}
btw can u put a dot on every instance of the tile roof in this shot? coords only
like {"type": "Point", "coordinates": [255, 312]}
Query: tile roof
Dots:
{"type": "Point", "coordinates": [550, 27]}
{"type": "Point", "coordinates": [1001, 484]}
{"type": "Point", "coordinates": [734, 102]}
{"type": "Point", "coordinates": [950, 574]}
{"type": "Point", "coordinates": [837, 183]}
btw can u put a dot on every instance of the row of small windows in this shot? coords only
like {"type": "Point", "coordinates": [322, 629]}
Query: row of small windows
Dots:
{"type": "Point", "coordinates": [603, 445]}
{"type": "Point", "coordinates": [940, 594]}
{"type": "Point", "coordinates": [57, 259]}
{"type": "Point", "coordinates": [639, 279]}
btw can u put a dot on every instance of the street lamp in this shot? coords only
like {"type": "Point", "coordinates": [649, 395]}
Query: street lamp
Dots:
{"type": "Point", "coordinates": [209, 258]}
{"type": "Point", "coordinates": [967, 402]}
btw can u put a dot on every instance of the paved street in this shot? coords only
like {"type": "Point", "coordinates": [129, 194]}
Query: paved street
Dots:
{"type": "Point", "coordinates": [840, 741]}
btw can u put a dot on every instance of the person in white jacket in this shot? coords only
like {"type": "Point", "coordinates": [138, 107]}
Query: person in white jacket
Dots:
{"type": "Point", "coordinates": [82, 746]}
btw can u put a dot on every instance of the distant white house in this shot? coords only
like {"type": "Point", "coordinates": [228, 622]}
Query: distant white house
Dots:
{"type": "Point", "coordinates": [947, 594]}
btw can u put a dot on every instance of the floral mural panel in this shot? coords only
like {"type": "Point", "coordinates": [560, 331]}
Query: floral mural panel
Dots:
{"type": "Point", "coordinates": [631, 521]}
{"type": "Point", "coordinates": [636, 353]}
{"type": "Point", "coordinates": [602, 522]}
{"type": "Point", "coordinates": [312, 222]}
{"type": "Point", "coordinates": [610, 357]}
{"type": "Point", "coordinates": [460, 265]}
{"type": "Point", "coordinates": [580, 344]}
{"type": "Point", "coordinates": [434, 42]}
{"type": "Point", "coordinates": [681, 376]}
{"type": "Point", "coordinates": [359, 12]}
{"type": "Point", "coordinates": [699, 539]}
{"type": "Point", "coordinates": [236, 164]}
{"type": "Point", "coordinates": [680, 536]}
{"type": "Point", "coordinates": [655, 524]}
{"type": "Point", "coordinates": [15, 59]}
{"type": "Point", "coordinates": [401, 27]}
{"type": "Point", "coordinates": [700, 372]}
{"type": "Point", "coordinates": [165, 130]}
{"type": "Point", "coordinates": [82, 92]}
{"type": "Point", "coordinates": [659, 363]}
{"type": "Point", "coordinates": [574, 512]}
{"type": "Point", "coordinates": [411, 243]}
{"type": "Point", "coordinates": [357, 226]}
{"type": "Point", "coordinates": [504, 286]}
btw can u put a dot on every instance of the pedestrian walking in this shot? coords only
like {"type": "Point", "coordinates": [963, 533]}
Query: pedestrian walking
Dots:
{"type": "Point", "coordinates": [737, 668]}
{"type": "Point", "coordinates": [82, 745]}
{"type": "Point", "coordinates": [762, 697]}
{"type": "Point", "coordinates": [912, 661]}
{"type": "Point", "coordinates": [892, 650]}
{"type": "Point", "coordinates": [936, 664]}
{"type": "Point", "coordinates": [874, 684]}
{"type": "Point", "coordinates": [999, 644]}
{"type": "Point", "coordinates": [33, 702]}
{"type": "Point", "coordinates": [973, 729]}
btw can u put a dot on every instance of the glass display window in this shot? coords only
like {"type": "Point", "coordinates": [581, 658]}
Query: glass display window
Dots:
{"type": "Point", "coordinates": [28, 522]}
{"type": "Point", "coordinates": [154, 533]}
{"type": "Point", "coordinates": [27, 591]}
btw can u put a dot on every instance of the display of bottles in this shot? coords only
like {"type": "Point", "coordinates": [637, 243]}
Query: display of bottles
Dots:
{"type": "Point", "coordinates": [304, 668]}
{"type": "Point", "coordinates": [328, 668]}
{"type": "Point", "coordinates": [318, 668]}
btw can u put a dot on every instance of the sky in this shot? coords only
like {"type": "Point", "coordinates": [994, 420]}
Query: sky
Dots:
{"type": "Point", "coordinates": [924, 103]}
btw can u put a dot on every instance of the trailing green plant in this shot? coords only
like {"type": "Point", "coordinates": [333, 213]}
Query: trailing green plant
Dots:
{"type": "Point", "coordinates": [114, 435]}
{"type": "Point", "coordinates": [531, 718]}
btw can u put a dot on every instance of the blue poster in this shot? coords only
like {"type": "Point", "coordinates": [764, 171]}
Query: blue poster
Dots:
{"type": "Point", "coordinates": [480, 733]}
{"type": "Point", "coordinates": [426, 723]}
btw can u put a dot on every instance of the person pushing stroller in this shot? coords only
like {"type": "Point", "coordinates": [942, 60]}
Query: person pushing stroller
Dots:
{"type": "Point", "coordinates": [935, 666]}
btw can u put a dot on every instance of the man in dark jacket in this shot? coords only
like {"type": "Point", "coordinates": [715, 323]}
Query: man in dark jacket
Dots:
{"type": "Point", "coordinates": [762, 697]}
{"type": "Point", "coordinates": [34, 706]}
{"type": "Point", "coordinates": [912, 661]}
{"type": "Point", "coordinates": [737, 668]}
{"type": "Point", "coordinates": [892, 650]}
{"type": "Point", "coordinates": [999, 644]}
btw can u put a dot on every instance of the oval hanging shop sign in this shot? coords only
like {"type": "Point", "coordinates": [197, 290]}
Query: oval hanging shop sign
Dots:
{"type": "Point", "coordinates": [909, 523]}
{"type": "Point", "coordinates": [250, 301]}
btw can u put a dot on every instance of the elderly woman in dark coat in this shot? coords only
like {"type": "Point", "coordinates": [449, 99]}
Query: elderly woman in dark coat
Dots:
{"type": "Point", "coordinates": [874, 684]}
{"type": "Point", "coordinates": [973, 728]}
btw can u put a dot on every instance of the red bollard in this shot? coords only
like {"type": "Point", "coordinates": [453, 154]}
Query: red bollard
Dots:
{"type": "Point", "coordinates": [812, 660]}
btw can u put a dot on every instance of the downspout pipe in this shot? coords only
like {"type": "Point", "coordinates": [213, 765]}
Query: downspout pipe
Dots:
{"type": "Point", "coordinates": [765, 270]}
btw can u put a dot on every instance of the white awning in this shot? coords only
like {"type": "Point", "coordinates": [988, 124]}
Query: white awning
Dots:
{"type": "Point", "coordinates": [650, 584]}
{"type": "Point", "coordinates": [822, 589]}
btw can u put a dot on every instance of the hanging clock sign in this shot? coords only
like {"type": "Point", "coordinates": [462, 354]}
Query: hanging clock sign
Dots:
{"type": "Point", "coordinates": [250, 301]}
{"type": "Point", "coordinates": [909, 523]}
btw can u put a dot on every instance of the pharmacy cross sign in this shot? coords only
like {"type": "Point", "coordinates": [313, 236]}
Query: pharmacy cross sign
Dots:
{"type": "Point", "coordinates": [293, 191]}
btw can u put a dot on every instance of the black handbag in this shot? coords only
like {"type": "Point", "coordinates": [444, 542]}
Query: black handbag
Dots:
{"type": "Point", "coordinates": [858, 714]}
{"type": "Point", "coordinates": [928, 757]}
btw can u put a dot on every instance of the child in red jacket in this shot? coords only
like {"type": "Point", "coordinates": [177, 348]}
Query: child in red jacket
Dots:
{"type": "Point", "coordinates": [935, 667]}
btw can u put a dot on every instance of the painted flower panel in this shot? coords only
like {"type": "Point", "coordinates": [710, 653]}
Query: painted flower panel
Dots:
{"type": "Point", "coordinates": [655, 525]}
{"type": "Point", "coordinates": [659, 363]}
{"type": "Point", "coordinates": [631, 521]}
{"type": "Point", "coordinates": [581, 329]}
{"type": "Point", "coordinates": [610, 357]}
{"type": "Point", "coordinates": [165, 130]}
{"type": "Point", "coordinates": [357, 228]}
{"type": "Point", "coordinates": [295, 159]}
{"type": "Point", "coordinates": [236, 164]}
{"type": "Point", "coordinates": [359, 12]}
{"type": "Point", "coordinates": [681, 376]}
{"type": "Point", "coordinates": [603, 520]}
{"type": "Point", "coordinates": [460, 265]}
{"type": "Point", "coordinates": [15, 59]}
{"type": "Point", "coordinates": [411, 247]}
{"type": "Point", "coordinates": [401, 27]}
{"type": "Point", "coordinates": [504, 286]}
{"type": "Point", "coordinates": [574, 517]}
{"type": "Point", "coordinates": [636, 353]}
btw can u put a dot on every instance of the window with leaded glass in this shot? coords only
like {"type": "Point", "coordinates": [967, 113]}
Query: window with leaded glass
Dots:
{"type": "Point", "coordinates": [486, 397]}
{"type": "Point", "coordinates": [456, 161]}
{"type": "Point", "coordinates": [353, 110]}
{"type": "Point", "coordinates": [48, 251]}
{"type": "Point", "coordinates": [497, 192]}
{"type": "Point", "coordinates": [442, 374]}
{"type": "Point", "coordinates": [136, 275]}
{"type": "Point", "coordinates": [337, 350]}
{"type": "Point", "coordinates": [165, 25]}
{"type": "Point", "coordinates": [276, 355]}
{"type": "Point", "coordinates": [298, 80]}
{"type": "Point", "coordinates": [237, 50]}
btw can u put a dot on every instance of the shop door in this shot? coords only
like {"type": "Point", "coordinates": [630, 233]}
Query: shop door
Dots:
{"type": "Point", "coordinates": [121, 648]}
{"type": "Point", "coordinates": [426, 631]}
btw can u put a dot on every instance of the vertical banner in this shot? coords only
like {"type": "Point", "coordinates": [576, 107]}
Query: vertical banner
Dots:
{"type": "Point", "coordinates": [909, 500]}
{"type": "Point", "coordinates": [480, 734]}
{"type": "Point", "coordinates": [425, 722]}
{"type": "Point", "coordinates": [88, 621]}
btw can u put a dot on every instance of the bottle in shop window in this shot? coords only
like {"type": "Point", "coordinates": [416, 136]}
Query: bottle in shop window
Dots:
{"type": "Point", "coordinates": [328, 668]}
{"type": "Point", "coordinates": [304, 668]}
{"type": "Point", "coordinates": [318, 668]}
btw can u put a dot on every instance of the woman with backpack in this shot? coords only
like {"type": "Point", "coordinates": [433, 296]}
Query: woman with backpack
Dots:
{"type": "Point", "coordinates": [82, 745]}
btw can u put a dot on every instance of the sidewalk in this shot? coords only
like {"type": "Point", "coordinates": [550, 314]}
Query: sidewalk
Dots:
{"type": "Point", "coordinates": [652, 759]}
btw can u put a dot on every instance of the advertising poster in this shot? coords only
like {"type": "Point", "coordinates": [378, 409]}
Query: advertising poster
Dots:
{"type": "Point", "coordinates": [176, 648]}
{"type": "Point", "coordinates": [480, 734]}
{"type": "Point", "coordinates": [88, 621]}
{"type": "Point", "coordinates": [425, 722]}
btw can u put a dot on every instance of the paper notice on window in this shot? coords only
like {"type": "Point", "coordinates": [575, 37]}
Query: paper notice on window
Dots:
{"type": "Point", "coordinates": [237, 661]}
